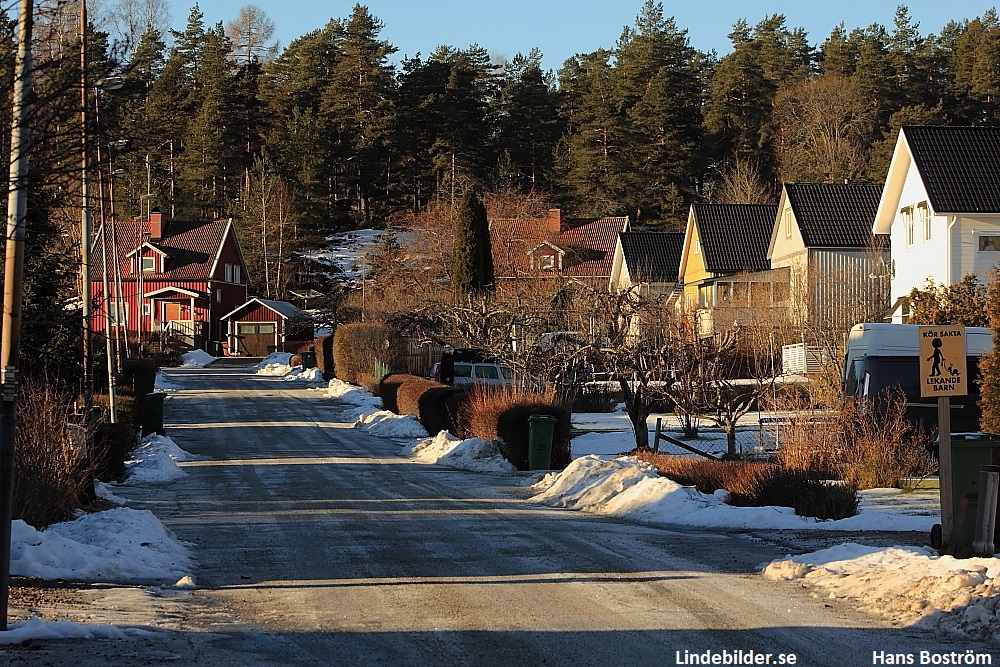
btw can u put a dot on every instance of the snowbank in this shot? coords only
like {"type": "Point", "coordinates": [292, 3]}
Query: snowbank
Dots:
{"type": "Point", "coordinates": [196, 359]}
{"type": "Point", "coordinates": [154, 461]}
{"type": "Point", "coordinates": [388, 424]}
{"type": "Point", "coordinates": [472, 454]}
{"type": "Point", "coordinates": [910, 585]}
{"type": "Point", "coordinates": [631, 489]}
{"type": "Point", "coordinates": [276, 364]}
{"type": "Point", "coordinates": [36, 628]}
{"type": "Point", "coordinates": [119, 545]}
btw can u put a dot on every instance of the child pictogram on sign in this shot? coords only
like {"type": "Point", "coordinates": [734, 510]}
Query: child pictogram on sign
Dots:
{"type": "Point", "coordinates": [937, 358]}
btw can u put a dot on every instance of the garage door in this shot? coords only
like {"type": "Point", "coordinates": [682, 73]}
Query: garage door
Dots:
{"type": "Point", "coordinates": [257, 338]}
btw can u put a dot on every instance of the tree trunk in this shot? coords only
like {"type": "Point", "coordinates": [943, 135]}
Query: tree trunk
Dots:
{"type": "Point", "coordinates": [730, 430]}
{"type": "Point", "coordinates": [637, 406]}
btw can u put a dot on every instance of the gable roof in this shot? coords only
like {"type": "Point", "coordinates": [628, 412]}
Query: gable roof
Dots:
{"type": "Point", "coordinates": [591, 246]}
{"type": "Point", "coordinates": [960, 166]}
{"type": "Point", "coordinates": [653, 257]}
{"type": "Point", "coordinates": [191, 246]}
{"type": "Point", "coordinates": [834, 215]}
{"type": "Point", "coordinates": [285, 309]}
{"type": "Point", "coordinates": [734, 237]}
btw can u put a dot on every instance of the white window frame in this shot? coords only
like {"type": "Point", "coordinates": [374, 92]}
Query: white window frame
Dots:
{"type": "Point", "coordinates": [908, 224]}
{"type": "Point", "coordinates": [924, 213]}
{"type": "Point", "coordinates": [117, 313]}
{"type": "Point", "coordinates": [147, 264]}
{"type": "Point", "coordinates": [237, 274]}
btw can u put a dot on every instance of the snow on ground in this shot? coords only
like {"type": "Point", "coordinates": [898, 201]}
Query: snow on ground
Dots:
{"type": "Point", "coordinates": [471, 454]}
{"type": "Point", "coordinates": [277, 364]}
{"type": "Point", "coordinates": [909, 585]}
{"type": "Point", "coordinates": [196, 359]}
{"type": "Point", "coordinates": [154, 461]}
{"type": "Point", "coordinates": [163, 384]}
{"type": "Point", "coordinates": [119, 545]}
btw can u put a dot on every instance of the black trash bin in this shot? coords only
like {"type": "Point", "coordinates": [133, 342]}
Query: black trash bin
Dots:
{"type": "Point", "coordinates": [308, 358]}
{"type": "Point", "coordinates": [152, 414]}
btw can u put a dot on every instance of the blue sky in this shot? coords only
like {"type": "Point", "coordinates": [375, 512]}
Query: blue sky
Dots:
{"type": "Point", "coordinates": [562, 28]}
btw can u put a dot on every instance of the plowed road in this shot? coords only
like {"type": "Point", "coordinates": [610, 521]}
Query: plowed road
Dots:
{"type": "Point", "coordinates": [319, 544]}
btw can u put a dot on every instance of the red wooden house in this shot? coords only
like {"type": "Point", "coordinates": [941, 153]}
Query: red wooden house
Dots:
{"type": "Point", "coordinates": [168, 277]}
{"type": "Point", "coordinates": [261, 326]}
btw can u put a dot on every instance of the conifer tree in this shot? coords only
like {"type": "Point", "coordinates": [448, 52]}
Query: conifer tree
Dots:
{"type": "Point", "coordinates": [472, 274]}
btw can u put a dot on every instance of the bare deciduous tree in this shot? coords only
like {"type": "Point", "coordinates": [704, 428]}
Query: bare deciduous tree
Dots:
{"type": "Point", "coordinates": [250, 32]}
{"type": "Point", "coordinates": [130, 19]}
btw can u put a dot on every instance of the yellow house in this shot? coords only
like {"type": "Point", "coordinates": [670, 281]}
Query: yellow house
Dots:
{"type": "Point", "coordinates": [724, 259]}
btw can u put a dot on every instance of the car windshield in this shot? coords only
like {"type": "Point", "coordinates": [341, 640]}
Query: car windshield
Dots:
{"type": "Point", "coordinates": [487, 372]}
{"type": "Point", "coordinates": [463, 370]}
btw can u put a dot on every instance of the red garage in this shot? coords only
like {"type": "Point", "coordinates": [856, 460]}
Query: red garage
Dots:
{"type": "Point", "coordinates": [262, 326]}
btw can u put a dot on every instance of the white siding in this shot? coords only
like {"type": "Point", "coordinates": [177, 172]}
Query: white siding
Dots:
{"type": "Point", "coordinates": [915, 263]}
{"type": "Point", "coordinates": [844, 291]}
{"type": "Point", "coordinates": [966, 256]}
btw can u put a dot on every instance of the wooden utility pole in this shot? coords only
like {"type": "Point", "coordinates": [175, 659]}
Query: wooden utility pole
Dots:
{"type": "Point", "coordinates": [17, 206]}
{"type": "Point", "coordinates": [88, 335]}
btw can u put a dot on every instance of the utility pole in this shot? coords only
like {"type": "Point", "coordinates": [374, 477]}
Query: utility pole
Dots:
{"type": "Point", "coordinates": [10, 347]}
{"type": "Point", "coordinates": [88, 371]}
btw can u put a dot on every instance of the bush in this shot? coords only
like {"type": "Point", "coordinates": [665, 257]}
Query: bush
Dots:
{"type": "Point", "coordinates": [52, 471]}
{"type": "Point", "coordinates": [115, 441]}
{"type": "Point", "coordinates": [295, 360]}
{"type": "Point", "coordinates": [323, 346]}
{"type": "Point", "coordinates": [503, 411]}
{"type": "Point", "coordinates": [754, 484]}
{"type": "Point", "coordinates": [388, 390]}
{"type": "Point", "coordinates": [360, 347]}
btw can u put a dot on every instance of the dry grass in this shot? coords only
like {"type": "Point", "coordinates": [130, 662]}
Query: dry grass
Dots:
{"type": "Point", "coordinates": [52, 467]}
{"type": "Point", "coordinates": [503, 411]}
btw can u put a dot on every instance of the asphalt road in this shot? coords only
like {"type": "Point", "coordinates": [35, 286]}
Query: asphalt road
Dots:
{"type": "Point", "coordinates": [319, 544]}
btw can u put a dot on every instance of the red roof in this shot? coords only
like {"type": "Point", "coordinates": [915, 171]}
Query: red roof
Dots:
{"type": "Point", "coordinates": [191, 248]}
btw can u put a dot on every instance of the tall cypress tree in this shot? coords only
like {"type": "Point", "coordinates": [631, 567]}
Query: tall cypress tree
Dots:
{"type": "Point", "coordinates": [473, 273]}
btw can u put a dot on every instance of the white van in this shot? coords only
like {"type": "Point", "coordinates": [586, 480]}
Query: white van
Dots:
{"type": "Point", "coordinates": [880, 356]}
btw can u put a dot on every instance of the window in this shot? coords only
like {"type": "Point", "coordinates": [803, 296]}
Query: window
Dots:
{"type": "Point", "coordinates": [907, 214]}
{"type": "Point", "coordinates": [218, 296]}
{"type": "Point", "coordinates": [487, 372]}
{"type": "Point", "coordinates": [788, 223]}
{"type": "Point", "coordinates": [149, 265]}
{"type": "Point", "coordinates": [244, 329]}
{"type": "Point", "coordinates": [925, 219]}
{"type": "Point", "coordinates": [989, 243]}
{"type": "Point", "coordinates": [506, 372]}
{"type": "Point", "coordinates": [229, 273]}
{"type": "Point", "coordinates": [265, 328]}
{"type": "Point", "coordinates": [116, 311]}
{"type": "Point", "coordinates": [547, 262]}
{"type": "Point", "coordinates": [463, 370]}
{"type": "Point", "coordinates": [237, 277]}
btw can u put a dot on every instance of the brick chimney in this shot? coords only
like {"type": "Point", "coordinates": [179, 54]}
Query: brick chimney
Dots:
{"type": "Point", "coordinates": [553, 221]}
{"type": "Point", "coordinates": [156, 225]}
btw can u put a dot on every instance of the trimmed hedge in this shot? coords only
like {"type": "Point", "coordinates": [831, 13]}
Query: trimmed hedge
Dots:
{"type": "Point", "coordinates": [512, 429]}
{"type": "Point", "coordinates": [358, 347]}
{"type": "Point", "coordinates": [323, 346]}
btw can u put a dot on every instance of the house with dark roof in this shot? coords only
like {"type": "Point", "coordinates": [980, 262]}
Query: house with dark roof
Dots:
{"type": "Point", "coordinates": [941, 209]}
{"type": "Point", "coordinates": [837, 267]}
{"type": "Point", "coordinates": [649, 261]}
{"type": "Point", "coordinates": [724, 268]}
{"type": "Point", "coordinates": [530, 251]}
{"type": "Point", "coordinates": [167, 278]}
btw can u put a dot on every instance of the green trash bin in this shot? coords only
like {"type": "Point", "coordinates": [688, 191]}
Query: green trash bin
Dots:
{"type": "Point", "coordinates": [152, 414]}
{"type": "Point", "coordinates": [540, 430]}
{"type": "Point", "coordinates": [968, 453]}
{"type": "Point", "coordinates": [214, 348]}
{"type": "Point", "coordinates": [308, 358]}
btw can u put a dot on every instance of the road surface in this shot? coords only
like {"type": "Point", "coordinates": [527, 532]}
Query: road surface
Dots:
{"type": "Point", "coordinates": [319, 544]}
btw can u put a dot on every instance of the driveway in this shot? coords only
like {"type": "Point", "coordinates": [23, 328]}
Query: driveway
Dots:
{"type": "Point", "coordinates": [319, 544]}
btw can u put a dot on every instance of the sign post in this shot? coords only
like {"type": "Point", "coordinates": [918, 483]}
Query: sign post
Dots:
{"type": "Point", "coordinates": [942, 375]}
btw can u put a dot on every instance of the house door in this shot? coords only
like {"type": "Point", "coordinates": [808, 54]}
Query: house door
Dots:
{"type": "Point", "coordinates": [178, 322]}
{"type": "Point", "coordinates": [257, 338]}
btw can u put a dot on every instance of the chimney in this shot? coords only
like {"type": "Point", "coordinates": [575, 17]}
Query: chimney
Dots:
{"type": "Point", "coordinates": [553, 221]}
{"type": "Point", "coordinates": [156, 226]}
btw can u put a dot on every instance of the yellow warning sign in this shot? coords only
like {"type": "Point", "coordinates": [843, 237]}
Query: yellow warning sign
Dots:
{"type": "Point", "coordinates": [942, 361]}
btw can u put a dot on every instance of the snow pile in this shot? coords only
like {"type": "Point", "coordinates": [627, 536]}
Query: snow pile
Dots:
{"type": "Point", "coordinates": [118, 545]}
{"type": "Point", "coordinates": [388, 424]}
{"type": "Point", "coordinates": [196, 359]}
{"type": "Point", "coordinates": [36, 628]}
{"type": "Point", "coordinates": [163, 384]}
{"type": "Point", "coordinates": [278, 364]}
{"type": "Point", "coordinates": [472, 454]}
{"type": "Point", "coordinates": [154, 461]}
{"type": "Point", "coordinates": [909, 585]}
{"type": "Point", "coordinates": [353, 394]}
{"type": "Point", "coordinates": [631, 489]}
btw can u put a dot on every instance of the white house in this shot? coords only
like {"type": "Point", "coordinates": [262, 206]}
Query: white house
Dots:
{"type": "Point", "coordinates": [649, 260]}
{"type": "Point", "coordinates": [941, 208]}
{"type": "Point", "coordinates": [823, 235]}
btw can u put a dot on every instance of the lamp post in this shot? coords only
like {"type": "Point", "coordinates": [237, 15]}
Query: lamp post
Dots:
{"type": "Point", "coordinates": [13, 276]}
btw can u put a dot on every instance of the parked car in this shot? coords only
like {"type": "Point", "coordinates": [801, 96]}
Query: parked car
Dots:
{"type": "Point", "coordinates": [476, 373]}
